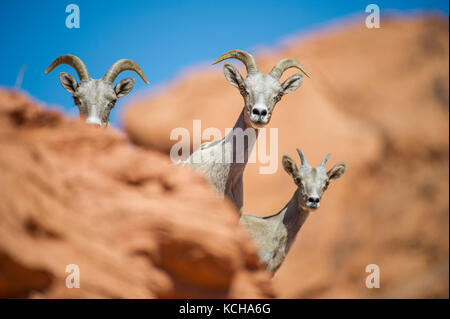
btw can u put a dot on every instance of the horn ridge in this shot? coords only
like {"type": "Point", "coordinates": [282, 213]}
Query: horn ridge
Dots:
{"type": "Point", "coordinates": [244, 57]}
{"type": "Point", "coordinates": [123, 65]}
{"type": "Point", "coordinates": [287, 63]}
{"type": "Point", "coordinates": [302, 158]}
{"type": "Point", "coordinates": [325, 160]}
{"type": "Point", "coordinates": [72, 60]}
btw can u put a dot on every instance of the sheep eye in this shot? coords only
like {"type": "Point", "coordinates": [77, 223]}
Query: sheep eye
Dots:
{"type": "Point", "coordinates": [243, 91]}
{"type": "Point", "coordinates": [111, 104]}
{"type": "Point", "coordinates": [278, 96]}
{"type": "Point", "coordinates": [297, 180]}
{"type": "Point", "coordinates": [76, 101]}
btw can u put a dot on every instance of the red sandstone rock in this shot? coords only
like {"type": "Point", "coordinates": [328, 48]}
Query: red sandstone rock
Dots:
{"type": "Point", "coordinates": [135, 226]}
{"type": "Point", "coordinates": [378, 99]}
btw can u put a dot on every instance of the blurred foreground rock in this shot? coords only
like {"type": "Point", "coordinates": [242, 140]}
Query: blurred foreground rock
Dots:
{"type": "Point", "coordinates": [135, 226]}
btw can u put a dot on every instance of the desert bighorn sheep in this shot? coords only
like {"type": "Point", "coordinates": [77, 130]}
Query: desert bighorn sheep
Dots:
{"type": "Point", "coordinates": [260, 92]}
{"type": "Point", "coordinates": [95, 97]}
{"type": "Point", "coordinates": [274, 235]}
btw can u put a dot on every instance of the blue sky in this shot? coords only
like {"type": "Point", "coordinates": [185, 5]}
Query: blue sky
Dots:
{"type": "Point", "coordinates": [163, 37]}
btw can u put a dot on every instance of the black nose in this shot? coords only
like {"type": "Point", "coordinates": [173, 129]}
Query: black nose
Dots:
{"type": "Point", "coordinates": [314, 200]}
{"type": "Point", "coordinates": [259, 112]}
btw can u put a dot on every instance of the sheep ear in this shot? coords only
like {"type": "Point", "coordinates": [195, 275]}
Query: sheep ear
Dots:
{"type": "Point", "coordinates": [337, 171]}
{"type": "Point", "coordinates": [68, 82]}
{"type": "Point", "coordinates": [292, 83]}
{"type": "Point", "coordinates": [124, 87]}
{"type": "Point", "coordinates": [289, 166]}
{"type": "Point", "coordinates": [233, 76]}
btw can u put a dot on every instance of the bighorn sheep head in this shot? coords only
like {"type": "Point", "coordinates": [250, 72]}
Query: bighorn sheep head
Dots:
{"type": "Point", "coordinates": [312, 182]}
{"type": "Point", "coordinates": [260, 91]}
{"type": "Point", "coordinates": [95, 97]}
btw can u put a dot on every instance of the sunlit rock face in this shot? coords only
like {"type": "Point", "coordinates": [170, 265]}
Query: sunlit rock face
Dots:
{"type": "Point", "coordinates": [377, 99]}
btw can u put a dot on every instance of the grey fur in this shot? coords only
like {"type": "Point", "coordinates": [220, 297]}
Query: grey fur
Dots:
{"type": "Point", "coordinates": [261, 92]}
{"type": "Point", "coordinates": [95, 97]}
{"type": "Point", "coordinates": [274, 235]}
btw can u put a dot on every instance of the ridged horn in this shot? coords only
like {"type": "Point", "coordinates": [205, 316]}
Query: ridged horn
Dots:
{"type": "Point", "coordinates": [242, 56]}
{"type": "Point", "coordinates": [74, 62]}
{"type": "Point", "coordinates": [325, 160]}
{"type": "Point", "coordinates": [302, 158]}
{"type": "Point", "coordinates": [120, 66]}
{"type": "Point", "coordinates": [284, 64]}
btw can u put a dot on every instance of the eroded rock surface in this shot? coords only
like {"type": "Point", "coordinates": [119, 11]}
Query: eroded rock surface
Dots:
{"type": "Point", "coordinates": [136, 226]}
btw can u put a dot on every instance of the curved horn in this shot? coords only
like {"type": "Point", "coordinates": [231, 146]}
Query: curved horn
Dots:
{"type": "Point", "coordinates": [285, 64]}
{"type": "Point", "coordinates": [74, 62]}
{"type": "Point", "coordinates": [302, 158]}
{"type": "Point", "coordinates": [123, 65]}
{"type": "Point", "coordinates": [325, 160]}
{"type": "Point", "coordinates": [243, 56]}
